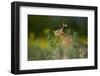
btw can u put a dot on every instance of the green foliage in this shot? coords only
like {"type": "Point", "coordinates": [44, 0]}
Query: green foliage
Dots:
{"type": "Point", "coordinates": [35, 53]}
{"type": "Point", "coordinates": [73, 52]}
{"type": "Point", "coordinates": [53, 44]}
{"type": "Point", "coordinates": [77, 50]}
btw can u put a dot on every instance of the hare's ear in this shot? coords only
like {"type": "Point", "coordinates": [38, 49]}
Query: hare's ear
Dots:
{"type": "Point", "coordinates": [63, 25]}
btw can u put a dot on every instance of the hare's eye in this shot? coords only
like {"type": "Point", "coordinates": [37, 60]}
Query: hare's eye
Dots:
{"type": "Point", "coordinates": [58, 30]}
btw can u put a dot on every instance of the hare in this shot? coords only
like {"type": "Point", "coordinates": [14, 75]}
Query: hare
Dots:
{"type": "Point", "coordinates": [66, 40]}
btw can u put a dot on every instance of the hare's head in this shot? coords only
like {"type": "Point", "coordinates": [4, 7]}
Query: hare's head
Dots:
{"type": "Point", "coordinates": [58, 32]}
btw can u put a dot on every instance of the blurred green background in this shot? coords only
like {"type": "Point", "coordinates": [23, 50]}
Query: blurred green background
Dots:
{"type": "Point", "coordinates": [40, 27]}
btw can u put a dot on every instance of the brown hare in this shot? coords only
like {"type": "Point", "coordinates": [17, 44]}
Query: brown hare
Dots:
{"type": "Point", "coordinates": [65, 40]}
